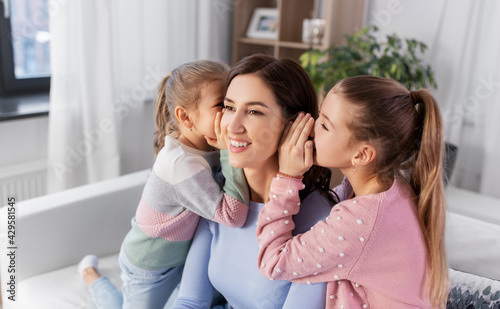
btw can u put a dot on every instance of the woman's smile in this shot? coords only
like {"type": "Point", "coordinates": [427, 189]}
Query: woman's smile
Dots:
{"type": "Point", "coordinates": [238, 145]}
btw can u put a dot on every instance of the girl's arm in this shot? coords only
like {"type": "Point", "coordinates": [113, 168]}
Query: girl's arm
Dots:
{"type": "Point", "coordinates": [325, 253]}
{"type": "Point", "coordinates": [329, 250]}
{"type": "Point", "coordinates": [232, 208]}
{"type": "Point", "coordinates": [181, 190]}
{"type": "Point", "coordinates": [235, 187]}
{"type": "Point", "coordinates": [202, 195]}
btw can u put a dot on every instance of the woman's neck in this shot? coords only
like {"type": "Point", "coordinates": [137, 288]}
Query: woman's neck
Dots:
{"type": "Point", "coordinates": [259, 181]}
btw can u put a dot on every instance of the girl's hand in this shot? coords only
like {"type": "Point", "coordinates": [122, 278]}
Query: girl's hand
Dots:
{"type": "Point", "coordinates": [220, 142]}
{"type": "Point", "coordinates": [296, 151]}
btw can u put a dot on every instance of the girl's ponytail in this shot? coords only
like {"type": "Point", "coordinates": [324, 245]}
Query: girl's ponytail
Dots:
{"type": "Point", "coordinates": [162, 115]}
{"type": "Point", "coordinates": [427, 182]}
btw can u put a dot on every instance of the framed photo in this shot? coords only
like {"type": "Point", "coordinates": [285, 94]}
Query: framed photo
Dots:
{"type": "Point", "coordinates": [264, 24]}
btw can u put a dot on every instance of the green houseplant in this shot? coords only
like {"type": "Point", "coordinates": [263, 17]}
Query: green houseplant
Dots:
{"type": "Point", "coordinates": [363, 54]}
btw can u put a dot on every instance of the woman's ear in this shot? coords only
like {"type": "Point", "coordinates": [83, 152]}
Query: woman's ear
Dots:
{"type": "Point", "coordinates": [365, 155]}
{"type": "Point", "coordinates": [182, 116]}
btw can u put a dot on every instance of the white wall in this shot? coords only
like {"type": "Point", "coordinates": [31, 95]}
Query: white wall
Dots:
{"type": "Point", "coordinates": [136, 138]}
{"type": "Point", "coordinates": [23, 140]}
{"type": "Point", "coordinates": [452, 67]}
{"type": "Point", "coordinates": [27, 139]}
{"type": "Point", "coordinates": [407, 18]}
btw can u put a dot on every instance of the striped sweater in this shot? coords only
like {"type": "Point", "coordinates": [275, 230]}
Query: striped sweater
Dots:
{"type": "Point", "coordinates": [180, 189]}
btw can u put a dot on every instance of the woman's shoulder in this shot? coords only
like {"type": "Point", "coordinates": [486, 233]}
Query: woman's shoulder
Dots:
{"type": "Point", "coordinates": [343, 191]}
{"type": "Point", "coordinates": [314, 207]}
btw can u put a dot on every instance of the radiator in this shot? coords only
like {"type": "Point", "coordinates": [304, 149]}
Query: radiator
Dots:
{"type": "Point", "coordinates": [23, 181]}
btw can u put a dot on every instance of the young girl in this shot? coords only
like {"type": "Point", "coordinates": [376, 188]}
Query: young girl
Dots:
{"type": "Point", "coordinates": [179, 190]}
{"type": "Point", "coordinates": [383, 247]}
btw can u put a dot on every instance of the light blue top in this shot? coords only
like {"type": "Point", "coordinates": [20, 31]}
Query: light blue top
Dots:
{"type": "Point", "coordinates": [226, 259]}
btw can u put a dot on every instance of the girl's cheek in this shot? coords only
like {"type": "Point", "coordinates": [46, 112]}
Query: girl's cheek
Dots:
{"type": "Point", "coordinates": [224, 122]}
{"type": "Point", "coordinates": [223, 127]}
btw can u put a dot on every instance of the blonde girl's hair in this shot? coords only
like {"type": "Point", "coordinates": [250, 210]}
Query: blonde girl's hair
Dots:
{"type": "Point", "coordinates": [182, 87]}
{"type": "Point", "coordinates": [407, 130]}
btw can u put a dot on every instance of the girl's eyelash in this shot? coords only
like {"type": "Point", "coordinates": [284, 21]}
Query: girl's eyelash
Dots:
{"type": "Point", "coordinates": [324, 127]}
{"type": "Point", "coordinates": [227, 107]}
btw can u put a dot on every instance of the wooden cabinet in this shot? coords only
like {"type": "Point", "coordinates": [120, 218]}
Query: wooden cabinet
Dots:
{"type": "Point", "coordinates": [341, 17]}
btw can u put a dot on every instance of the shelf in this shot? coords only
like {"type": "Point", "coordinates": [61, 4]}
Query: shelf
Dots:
{"type": "Point", "coordinates": [298, 45]}
{"type": "Point", "coordinates": [341, 16]}
{"type": "Point", "coordinates": [257, 41]}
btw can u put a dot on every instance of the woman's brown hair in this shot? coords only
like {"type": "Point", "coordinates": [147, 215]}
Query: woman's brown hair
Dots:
{"type": "Point", "coordinates": [182, 87]}
{"type": "Point", "coordinates": [294, 92]}
{"type": "Point", "coordinates": [407, 131]}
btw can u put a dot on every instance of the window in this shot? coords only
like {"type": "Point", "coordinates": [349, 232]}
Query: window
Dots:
{"type": "Point", "coordinates": [24, 46]}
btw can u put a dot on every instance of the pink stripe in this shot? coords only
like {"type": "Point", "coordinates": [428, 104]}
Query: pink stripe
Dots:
{"type": "Point", "coordinates": [231, 212]}
{"type": "Point", "coordinates": [156, 224]}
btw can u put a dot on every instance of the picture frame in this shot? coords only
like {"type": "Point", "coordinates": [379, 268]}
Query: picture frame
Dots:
{"type": "Point", "coordinates": [264, 24]}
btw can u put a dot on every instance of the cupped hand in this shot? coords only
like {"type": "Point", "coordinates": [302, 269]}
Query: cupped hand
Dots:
{"type": "Point", "coordinates": [220, 141]}
{"type": "Point", "coordinates": [296, 151]}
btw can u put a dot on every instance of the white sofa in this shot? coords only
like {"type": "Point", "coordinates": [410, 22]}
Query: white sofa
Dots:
{"type": "Point", "coordinates": [55, 231]}
{"type": "Point", "coordinates": [473, 249]}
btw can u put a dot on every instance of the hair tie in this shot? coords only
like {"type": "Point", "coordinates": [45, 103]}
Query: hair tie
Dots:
{"type": "Point", "coordinates": [415, 98]}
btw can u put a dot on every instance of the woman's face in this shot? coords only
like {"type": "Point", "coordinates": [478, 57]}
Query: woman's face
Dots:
{"type": "Point", "coordinates": [252, 122]}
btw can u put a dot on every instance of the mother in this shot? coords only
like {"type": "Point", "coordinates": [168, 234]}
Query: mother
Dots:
{"type": "Point", "coordinates": [263, 95]}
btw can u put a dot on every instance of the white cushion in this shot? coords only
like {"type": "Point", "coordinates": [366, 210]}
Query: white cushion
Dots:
{"type": "Point", "coordinates": [63, 288]}
{"type": "Point", "coordinates": [470, 291]}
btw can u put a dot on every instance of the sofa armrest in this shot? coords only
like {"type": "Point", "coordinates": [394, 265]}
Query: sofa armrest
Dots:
{"type": "Point", "coordinates": [57, 230]}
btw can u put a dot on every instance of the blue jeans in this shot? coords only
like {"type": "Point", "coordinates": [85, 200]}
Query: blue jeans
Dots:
{"type": "Point", "coordinates": [143, 289]}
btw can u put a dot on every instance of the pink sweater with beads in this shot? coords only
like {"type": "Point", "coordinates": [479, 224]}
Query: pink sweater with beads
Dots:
{"type": "Point", "coordinates": [370, 249]}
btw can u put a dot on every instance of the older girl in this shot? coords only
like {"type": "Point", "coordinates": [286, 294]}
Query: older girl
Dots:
{"type": "Point", "coordinates": [383, 247]}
